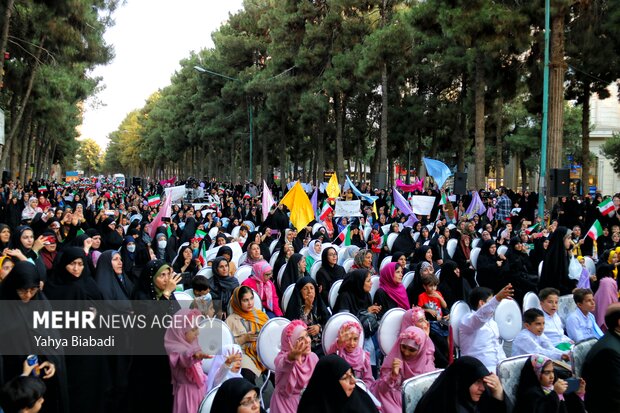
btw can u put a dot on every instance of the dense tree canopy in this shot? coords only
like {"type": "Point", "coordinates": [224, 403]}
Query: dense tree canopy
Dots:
{"type": "Point", "coordinates": [51, 47]}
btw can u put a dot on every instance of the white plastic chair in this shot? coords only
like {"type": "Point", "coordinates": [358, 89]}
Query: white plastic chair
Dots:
{"type": "Point", "coordinates": [274, 258]}
{"type": "Point", "coordinates": [475, 242]}
{"type": "Point", "coordinates": [530, 300]}
{"type": "Point", "coordinates": [286, 297]}
{"type": "Point", "coordinates": [315, 268]}
{"type": "Point", "coordinates": [375, 286]}
{"type": "Point", "coordinates": [390, 240]}
{"type": "Point", "coordinates": [473, 257]}
{"type": "Point", "coordinates": [348, 264]}
{"type": "Point", "coordinates": [333, 293]}
{"type": "Point", "coordinates": [385, 262]}
{"type": "Point", "coordinates": [207, 402]}
{"type": "Point", "coordinates": [502, 250]}
{"type": "Point", "coordinates": [408, 278]}
{"type": "Point", "coordinates": [451, 246]}
{"type": "Point", "coordinates": [243, 273]}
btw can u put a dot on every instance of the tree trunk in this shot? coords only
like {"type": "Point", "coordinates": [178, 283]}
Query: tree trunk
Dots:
{"type": "Point", "coordinates": [383, 140]}
{"type": "Point", "coordinates": [523, 175]}
{"type": "Point", "coordinates": [5, 36]}
{"type": "Point", "coordinates": [340, 105]}
{"type": "Point", "coordinates": [479, 125]}
{"type": "Point", "coordinates": [585, 139]}
{"type": "Point", "coordinates": [320, 151]}
{"type": "Point", "coordinates": [283, 153]}
{"type": "Point", "coordinates": [555, 152]}
{"type": "Point", "coordinates": [499, 163]}
{"type": "Point", "coordinates": [24, 102]}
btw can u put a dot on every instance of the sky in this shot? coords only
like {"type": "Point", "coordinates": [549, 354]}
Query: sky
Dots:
{"type": "Point", "coordinates": [150, 38]}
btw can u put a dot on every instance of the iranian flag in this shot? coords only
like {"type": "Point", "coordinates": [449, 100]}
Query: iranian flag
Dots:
{"type": "Point", "coordinates": [531, 229]}
{"type": "Point", "coordinates": [345, 236]}
{"type": "Point", "coordinates": [596, 230]}
{"type": "Point", "coordinates": [606, 207]}
{"type": "Point", "coordinates": [154, 200]}
{"type": "Point", "coordinates": [393, 211]}
{"type": "Point", "coordinates": [247, 195]}
{"type": "Point", "coordinates": [325, 211]}
{"type": "Point", "coordinates": [443, 201]}
{"type": "Point", "coordinates": [200, 234]}
{"type": "Point", "coordinates": [202, 257]}
{"type": "Point", "coordinates": [43, 188]}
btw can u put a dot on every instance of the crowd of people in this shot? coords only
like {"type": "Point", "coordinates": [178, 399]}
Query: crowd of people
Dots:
{"type": "Point", "coordinates": [93, 240]}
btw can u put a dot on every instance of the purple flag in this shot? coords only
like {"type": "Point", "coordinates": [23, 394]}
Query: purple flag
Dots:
{"type": "Point", "coordinates": [267, 201]}
{"type": "Point", "coordinates": [403, 206]}
{"type": "Point", "coordinates": [314, 201]}
{"type": "Point", "coordinates": [476, 206]}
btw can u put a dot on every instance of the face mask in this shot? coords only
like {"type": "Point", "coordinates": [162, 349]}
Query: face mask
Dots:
{"type": "Point", "coordinates": [162, 244]}
{"type": "Point", "coordinates": [131, 248]}
{"type": "Point", "coordinates": [206, 297]}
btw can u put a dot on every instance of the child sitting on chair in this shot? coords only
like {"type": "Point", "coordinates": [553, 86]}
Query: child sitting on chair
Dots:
{"type": "Point", "coordinates": [532, 340]}
{"type": "Point", "coordinates": [347, 346]}
{"type": "Point", "coordinates": [581, 324]}
{"type": "Point", "coordinates": [434, 305]}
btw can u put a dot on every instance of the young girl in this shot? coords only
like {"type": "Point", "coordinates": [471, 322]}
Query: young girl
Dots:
{"type": "Point", "coordinates": [226, 365]}
{"type": "Point", "coordinates": [409, 357]}
{"type": "Point", "coordinates": [185, 357]}
{"type": "Point", "coordinates": [537, 392]}
{"type": "Point", "coordinates": [294, 366]}
{"type": "Point", "coordinates": [347, 347]}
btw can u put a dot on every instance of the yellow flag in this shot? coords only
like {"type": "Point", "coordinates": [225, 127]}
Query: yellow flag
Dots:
{"type": "Point", "coordinates": [374, 210]}
{"type": "Point", "coordinates": [333, 189]}
{"type": "Point", "coordinates": [298, 203]}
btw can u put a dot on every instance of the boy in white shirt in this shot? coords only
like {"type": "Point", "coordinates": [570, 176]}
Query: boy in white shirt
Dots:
{"type": "Point", "coordinates": [478, 332]}
{"type": "Point", "coordinates": [554, 328]}
{"type": "Point", "coordinates": [532, 340]}
{"type": "Point", "coordinates": [581, 324]}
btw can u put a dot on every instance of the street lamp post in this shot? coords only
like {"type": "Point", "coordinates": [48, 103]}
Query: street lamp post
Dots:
{"type": "Point", "coordinates": [543, 146]}
{"type": "Point", "coordinates": [249, 106]}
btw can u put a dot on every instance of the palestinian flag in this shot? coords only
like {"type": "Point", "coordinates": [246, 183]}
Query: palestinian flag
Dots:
{"type": "Point", "coordinates": [345, 236]}
{"type": "Point", "coordinates": [154, 200]}
{"type": "Point", "coordinates": [43, 188]}
{"type": "Point", "coordinates": [325, 211]}
{"type": "Point", "coordinates": [531, 229]}
{"type": "Point", "coordinates": [606, 207]}
{"type": "Point", "coordinates": [200, 234]}
{"type": "Point", "coordinates": [596, 230]}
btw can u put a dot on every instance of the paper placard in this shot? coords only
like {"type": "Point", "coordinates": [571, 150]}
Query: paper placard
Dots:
{"type": "Point", "coordinates": [348, 208]}
{"type": "Point", "coordinates": [422, 205]}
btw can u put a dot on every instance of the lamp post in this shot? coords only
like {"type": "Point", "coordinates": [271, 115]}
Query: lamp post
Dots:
{"type": "Point", "coordinates": [250, 111]}
{"type": "Point", "coordinates": [542, 186]}
{"type": "Point", "coordinates": [249, 105]}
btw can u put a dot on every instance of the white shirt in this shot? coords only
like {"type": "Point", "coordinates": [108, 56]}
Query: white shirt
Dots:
{"type": "Point", "coordinates": [581, 327]}
{"type": "Point", "coordinates": [527, 342]}
{"type": "Point", "coordinates": [554, 329]}
{"type": "Point", "coordinates": [479, 336]}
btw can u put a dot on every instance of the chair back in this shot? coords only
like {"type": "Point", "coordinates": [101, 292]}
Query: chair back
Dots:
{"type": "Point", "coordinates": [414, 388]}
{"type": "Point", "coordinates": [580, 352]}
{"type": "Point", "coordinates": [509, 373]}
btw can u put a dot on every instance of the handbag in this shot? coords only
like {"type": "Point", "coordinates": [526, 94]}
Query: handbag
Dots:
{"type": "Point", "coordinates": [370, 323]}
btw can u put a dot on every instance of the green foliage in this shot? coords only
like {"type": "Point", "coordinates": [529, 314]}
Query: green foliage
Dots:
{"type": "Point", "coordinates": [312, 74]}
{"type": "Point", "coordinates": [611, 150]}
{"type": "Point", "coordinates": [89, 157]}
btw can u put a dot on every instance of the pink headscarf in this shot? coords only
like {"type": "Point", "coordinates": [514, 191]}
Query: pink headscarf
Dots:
{"type": "Point", "coordinates": [177, 345]}
{"type": "Point", "coordinates": [357, 357]}
{"type": "Point", "coordinates": [263, 288]}
{"type": "Point", "coordinates": [606, 295]}
{"type": "Point", "coordinates": [423, 362]}
{"type": "Point", "coordinates": [411, 317]}
{"type": "Point", "coordinates": [396, 291]}
{"type": "Point", "coordinates": [302, 371]}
